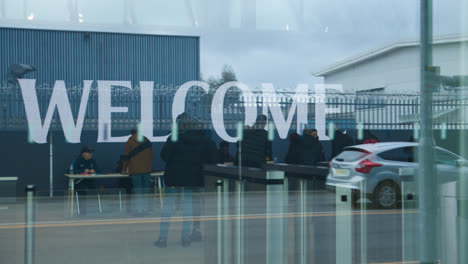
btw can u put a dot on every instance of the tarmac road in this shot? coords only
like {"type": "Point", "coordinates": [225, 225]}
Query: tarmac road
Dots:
{"type": "Point", "coordinates": [119, 237]}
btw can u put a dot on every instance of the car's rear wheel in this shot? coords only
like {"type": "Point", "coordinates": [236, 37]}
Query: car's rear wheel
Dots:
{"type": "Point", "coordinates": [386, 195]}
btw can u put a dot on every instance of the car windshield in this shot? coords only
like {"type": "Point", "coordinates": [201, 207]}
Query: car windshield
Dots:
{"type": "Point", "coordinates": [352, 154]}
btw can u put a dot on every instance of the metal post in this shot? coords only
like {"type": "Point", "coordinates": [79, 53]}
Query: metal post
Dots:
{"type": "Point", "coordinates": [274, 225]}
{"type": "Point", "coordinates": [29, 227]}
{"type": "Point", "coordinates": [426, 177]}
{"type": "Point", "coordinates": [409, 225]}
{"type": "Point", "coordinates": [226, 228]}
{"type": "Point", "coordinates": [239, 225]}
{"type": "Point", "coordinates": [51, 165]}
{"type": "Point", "coordinates": [344, 241]}
{"type": "Point", "coordinates": [303, 233]}
{"type": "Point", "coordinates": [363, 223]}
{"type": "Point", "coordinates": [219, 187]}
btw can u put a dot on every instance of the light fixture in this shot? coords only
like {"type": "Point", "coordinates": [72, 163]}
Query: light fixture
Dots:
{"type": "Point", "coordinates": [31, 16]}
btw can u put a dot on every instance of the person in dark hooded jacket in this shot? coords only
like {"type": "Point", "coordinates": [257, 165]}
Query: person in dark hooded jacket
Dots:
{"type": "Point", "coordinates": [183, 172]}
{"type": "Point", "coordinates": [294, 155]}
{"type": "Point", "coordinates": [312, 148]}
{"type": "Point", "coordinates": [339, 142]}
{"type": "Point", "coordinates": [255, 149]}
{"type": "Point", "coordinates": [369, 138]}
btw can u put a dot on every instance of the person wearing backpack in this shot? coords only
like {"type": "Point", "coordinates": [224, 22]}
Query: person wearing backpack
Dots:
{"type": "Point", "coordinates": [137, 162]}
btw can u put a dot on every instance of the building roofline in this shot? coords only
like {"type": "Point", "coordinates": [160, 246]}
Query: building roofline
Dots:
{"type": "Point", "coordinates": [102, 28]}
{"type": "Point", "coordinates": [384, 50]}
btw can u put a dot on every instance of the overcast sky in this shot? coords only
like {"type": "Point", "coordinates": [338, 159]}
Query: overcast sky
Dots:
{"type": "Point", "coordinates": [276, 41]}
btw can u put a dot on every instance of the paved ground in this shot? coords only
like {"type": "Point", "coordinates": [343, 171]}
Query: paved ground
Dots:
{"type": "Point", "coordinates": [115, 236]}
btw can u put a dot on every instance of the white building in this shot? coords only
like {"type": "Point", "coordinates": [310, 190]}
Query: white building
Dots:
{"type": "Point", "coordinates": [395, 68]}
{"type": "Point", "coordinates": [373, 76]}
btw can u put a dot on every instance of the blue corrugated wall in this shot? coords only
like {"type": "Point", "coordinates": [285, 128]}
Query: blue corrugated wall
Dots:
{"type": "Point", "coordinates": [75, 56]}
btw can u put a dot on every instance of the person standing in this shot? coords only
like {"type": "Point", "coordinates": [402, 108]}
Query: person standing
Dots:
{"type": "Point", "coordinates": [312, 149]}
{"type": "Point", "coordinates": [255, 149]}
{"type": "Point", "coordinates": [339, 142]}
{"type": "Point", "coordinates": [294, 155]}
{"type": "Point", "coordinates": [369, 138]}
{"type": "Point", "coordinates": [137, 162]}
{"type": "Point", "coordinates": [184, 159]}
{"type": "Point", "coordinates": [223, 153]}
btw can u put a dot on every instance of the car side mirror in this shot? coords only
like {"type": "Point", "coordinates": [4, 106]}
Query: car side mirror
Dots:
{"type": "Point", "coordinates": [462, 163]}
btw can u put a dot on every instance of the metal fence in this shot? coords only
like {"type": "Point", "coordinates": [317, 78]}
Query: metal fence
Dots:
{"type": "Point", "coordinates": [372, 111]}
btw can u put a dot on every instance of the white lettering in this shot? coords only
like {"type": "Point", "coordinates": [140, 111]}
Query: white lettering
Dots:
{"type": "Point", "coordinates": [106, 109]}
{"type": "Point", "coordinates": [147, 125]}
{"type": "Point", "coordinates": [38, 130]}
{"type": "Point", "coordinates": [217, 109]}
{"type": "Point", "coordinates": [59, 100]}
{"type": "Point", "coordinates": [178, 105]}
{"type": "Point", "coordinates": [321, 109]}
{"type": "Point", "coordinates": [299, 102]}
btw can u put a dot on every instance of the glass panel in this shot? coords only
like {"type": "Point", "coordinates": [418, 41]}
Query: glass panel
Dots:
{"type": "Point", "coordinates": [207, 131]}
{"type": "Point", "coordinates": [351, 155]}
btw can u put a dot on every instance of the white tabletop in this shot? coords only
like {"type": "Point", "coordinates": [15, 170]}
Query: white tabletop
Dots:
{"type": "Point", "coordinates": [8, 178]}
{"type": "Point", "coordinates": [106, 175]}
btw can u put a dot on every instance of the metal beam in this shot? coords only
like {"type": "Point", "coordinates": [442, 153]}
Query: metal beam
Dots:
{"type": "Point", "coordinates": [428, 195]}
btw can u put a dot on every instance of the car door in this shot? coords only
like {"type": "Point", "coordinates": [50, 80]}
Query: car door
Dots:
{"type": "Point", "coordinates": [446, 163]}
{"type": "Point", "coordinates": [399, 164]}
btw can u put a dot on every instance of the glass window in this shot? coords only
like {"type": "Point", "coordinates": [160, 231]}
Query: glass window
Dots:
{"type": "Point", "coordinates": [351, 155]}
{"type": "Point", "coordinates": [406, 154]}
{"type": "Point", "coordinates": [443, 157]}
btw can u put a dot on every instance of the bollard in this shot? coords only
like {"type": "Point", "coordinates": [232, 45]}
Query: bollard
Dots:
{"type": "Point", "coordinates": [344, 241]}
{"type": "Point", "coordinates": [227, 231]}
{"type": "Point", "coordinates": [363, 217]}
{"type": "Point", "coordinates": [29, 225]}
{"type": "Point", "coordinates": [239, 223]}
{"type": "Point", "coordinates": [275, 237]}
{"type": "Point", "coordinates": [219, 186]}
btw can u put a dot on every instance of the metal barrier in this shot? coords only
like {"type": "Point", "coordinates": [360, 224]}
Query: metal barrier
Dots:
{"type": "Point", "coordinates": [303, 179]}
{"type": "Point", "coordinates": [264, 187]}
{"type": "Point", "coordinates": [8, 189]}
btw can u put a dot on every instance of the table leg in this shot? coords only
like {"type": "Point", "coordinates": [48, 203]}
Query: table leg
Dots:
{"type": "Point", "coordinates": [71, 194]}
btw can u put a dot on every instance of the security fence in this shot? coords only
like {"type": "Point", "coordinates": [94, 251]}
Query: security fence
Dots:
{"type": "Point", "coordinates": [346, 110]}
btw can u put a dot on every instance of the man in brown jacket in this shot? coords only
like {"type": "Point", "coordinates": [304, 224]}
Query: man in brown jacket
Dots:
{"type": "Point", "coordinates": [137, 162]}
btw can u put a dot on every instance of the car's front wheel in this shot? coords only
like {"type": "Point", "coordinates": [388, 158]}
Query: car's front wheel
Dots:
{"type": "Point", "coordinates": [386, 195]}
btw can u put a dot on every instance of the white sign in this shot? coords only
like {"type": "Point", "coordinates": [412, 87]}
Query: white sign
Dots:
{"type": "Point", "coordinates": [38, 130]}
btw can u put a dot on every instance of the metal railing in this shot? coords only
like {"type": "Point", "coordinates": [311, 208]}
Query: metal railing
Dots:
{"type": "Point", "coordinates": [372, 111]}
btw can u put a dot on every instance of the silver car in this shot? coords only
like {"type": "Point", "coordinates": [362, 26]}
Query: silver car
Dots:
{"type": "Point", "coordinates": [375, 169]}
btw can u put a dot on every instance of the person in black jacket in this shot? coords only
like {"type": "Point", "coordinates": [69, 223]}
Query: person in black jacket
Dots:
{"type": "Point", "coordinates": [339, 142]}
{"type": "Point", "coordinates": [85, 164]}
{"type": "Point", "coordinates": [312, 148]}
{"type": "Point", "coordinates": [184, 160]}
{"type": "Point", "coordinates": [255, 149]}
{"type": "Point", "coordinates": [294, 155]}
{"type": "Point", "coordinates": [223, 153]}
